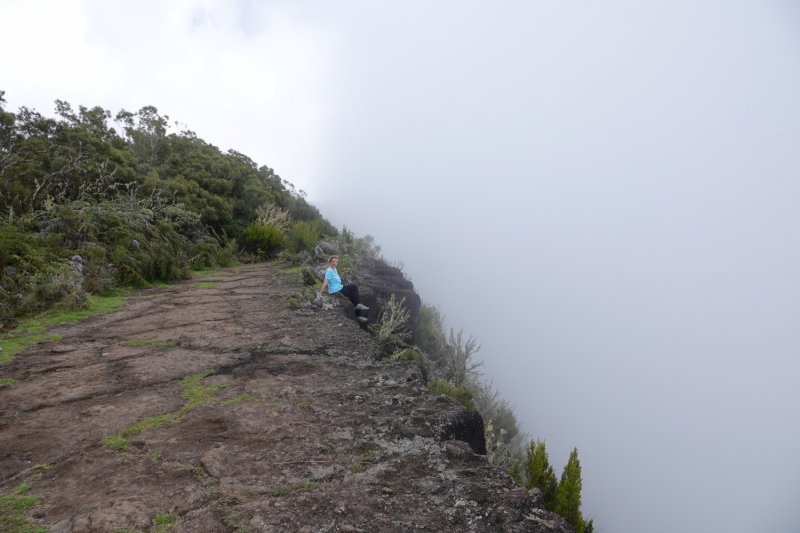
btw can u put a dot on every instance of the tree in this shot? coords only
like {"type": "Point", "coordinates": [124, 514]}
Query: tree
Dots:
{"type": "Point", "coordinates": [568, 496]}
{"type": "Point", "coordinates": [540, 474]}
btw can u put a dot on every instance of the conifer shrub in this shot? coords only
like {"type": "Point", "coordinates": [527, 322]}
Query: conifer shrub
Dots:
{"type": "Point", "coordinates": [568, 495]}
{"type": "Point", "coordinates": [539, 473]}
{"type": "Point", "coordinates": [461, 394]}
{"type": "Point", "coordinates": [263, 241]}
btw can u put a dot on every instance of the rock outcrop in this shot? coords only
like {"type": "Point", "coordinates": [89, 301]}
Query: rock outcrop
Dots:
{"type": "Point", "coordinates": [222, 409]}
{"type": "Point", "coordinates": [377, 282]}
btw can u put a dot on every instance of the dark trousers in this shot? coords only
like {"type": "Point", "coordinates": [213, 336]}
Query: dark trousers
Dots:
{"type": "Point", "coordinates": [351, 291]}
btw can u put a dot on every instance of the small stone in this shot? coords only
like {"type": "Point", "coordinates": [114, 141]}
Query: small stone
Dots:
{"type": "Point", "coordinates": [452, 449]}
{"type": "Point", "coordinates": [348, 528]}
{"type": "Point", "coordinates": [304, 529]}
{"type": "Point", "coordinates": [387, 490]}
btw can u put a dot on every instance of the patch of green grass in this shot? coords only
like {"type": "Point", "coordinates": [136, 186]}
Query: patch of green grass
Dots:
{"type": "Point", "coordinates": [279, 491]}
{"type": "Point", "coordinates": [249, 493]}
{"type": "Point", "coordinates": [356, 468]}
{"type": "Point", "coordinates": [304, 486]}
{"type": "Point", "coordinates": [97, 304]}
{"type": "Point", "coordinates": [31, 331]}
{"type": "Point", "coordinates": [203, 285]}
{"type": "Point", "coordinates": [12, 515]}
{"type": "Point", "coordinates": [12, 346]}
{"type": "Point", "coordinates": [115, 442]}
{"type": "Point", "coordinates": [7, 381]}
{"type": "Point", "coordinates": [155, 455]}
{"type": "Point", "coordinates": [367, 450]}
{"type": "Point", "coordinates": [293, 270]}
{"type": "Point", "coordinates": [44, 467]}
{"type": "Point", "coordinates": [155, 342]}
{"type": "Point", "coordinates": [304, 404]}
{"type": "Point", "coordinates": [196, 394]}
{"type": "Point", "coordinates": [186, 466]}
{"type": "Point", "coordinates": [241, 399]}
{"type": "Point", "coordinates": [274, 399]}
{"type": "Point", "coordinates": [150, 423]}
{"type": "Point", "coordinates": [164, 522]}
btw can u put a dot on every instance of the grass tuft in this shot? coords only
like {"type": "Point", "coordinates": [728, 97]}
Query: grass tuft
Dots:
{"type": "Point", "coordinates": [12, 515]}
{"type": "Point", "coordinates": [164, 522]}
{"type": "Point", "coordinates": [304, 486]}
{"type": "Point", "coordinates": [7, 381]}
{"type": "Point", "coordinates": [279, 491]}
{"type": "Point", "coordinates": [115, 442]}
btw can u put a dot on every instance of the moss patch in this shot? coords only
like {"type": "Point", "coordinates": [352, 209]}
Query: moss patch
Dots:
{"type": "Point", "coordinates": [7, 381]}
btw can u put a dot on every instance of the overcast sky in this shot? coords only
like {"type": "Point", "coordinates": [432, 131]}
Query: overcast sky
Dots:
{"type": "Point", "coordinates": [604, 193]}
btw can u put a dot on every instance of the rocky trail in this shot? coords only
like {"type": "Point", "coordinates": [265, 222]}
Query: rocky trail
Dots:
{"type": "Point", "coordinates": [213, 406]}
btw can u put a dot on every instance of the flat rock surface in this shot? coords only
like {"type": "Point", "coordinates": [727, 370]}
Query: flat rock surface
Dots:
{"type": "Point", "coordinates": [239, 413]}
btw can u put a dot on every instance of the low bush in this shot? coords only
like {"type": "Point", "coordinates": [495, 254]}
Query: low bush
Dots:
{"type": "Point", "coordinates": [304, 235]}
{"type": "Point", "coordinates": [263, 241]}
{"type": "Point", "coordinates": [308, 277]}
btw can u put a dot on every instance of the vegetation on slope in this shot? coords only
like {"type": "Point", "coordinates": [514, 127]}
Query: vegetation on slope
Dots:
{"type": "Point", "coordinates": [87, 207]}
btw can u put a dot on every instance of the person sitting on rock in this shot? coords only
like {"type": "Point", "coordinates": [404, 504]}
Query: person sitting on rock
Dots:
{"type": "Point", "coordinates": [334, 284]}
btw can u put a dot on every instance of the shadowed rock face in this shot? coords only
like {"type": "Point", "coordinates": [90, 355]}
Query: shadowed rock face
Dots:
{"type": "Point", "coordinates": [379, 282]}
{"type": "Point", "coordinates": [296, 426]}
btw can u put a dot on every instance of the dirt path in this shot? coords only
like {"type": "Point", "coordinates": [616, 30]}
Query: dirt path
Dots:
{"type": "Point", "coordinates": [211, 405]}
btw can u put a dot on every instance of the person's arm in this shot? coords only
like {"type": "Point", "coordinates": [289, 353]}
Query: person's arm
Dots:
{"type": "Point", "coordinates": [324, 284]}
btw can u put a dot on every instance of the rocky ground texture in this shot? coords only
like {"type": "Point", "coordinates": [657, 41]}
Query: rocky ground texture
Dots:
{"type": "Point", "coordinates": [213, 406]}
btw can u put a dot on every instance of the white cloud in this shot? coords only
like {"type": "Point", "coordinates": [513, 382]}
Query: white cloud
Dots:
{"type": "Point", "coordinates": [44, 43]}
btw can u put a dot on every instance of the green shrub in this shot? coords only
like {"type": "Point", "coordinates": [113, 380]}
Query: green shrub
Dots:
{"type": "Point", "coordinates": [462, 394]}
{"type": "Point", "coordinates": [305, 235]}
{"type": "Point", "coordinates": [408, 355]}
{"type": "Point", "coordinates": [264, 241]}
{"type": "Point", "coordinates": [308, 277]}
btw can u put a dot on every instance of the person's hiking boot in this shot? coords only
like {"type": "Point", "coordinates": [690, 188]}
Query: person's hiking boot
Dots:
{"type": "Point", "coordinates": [361, 307]}
{"type": "Point", "coordinates": [362, 318]}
